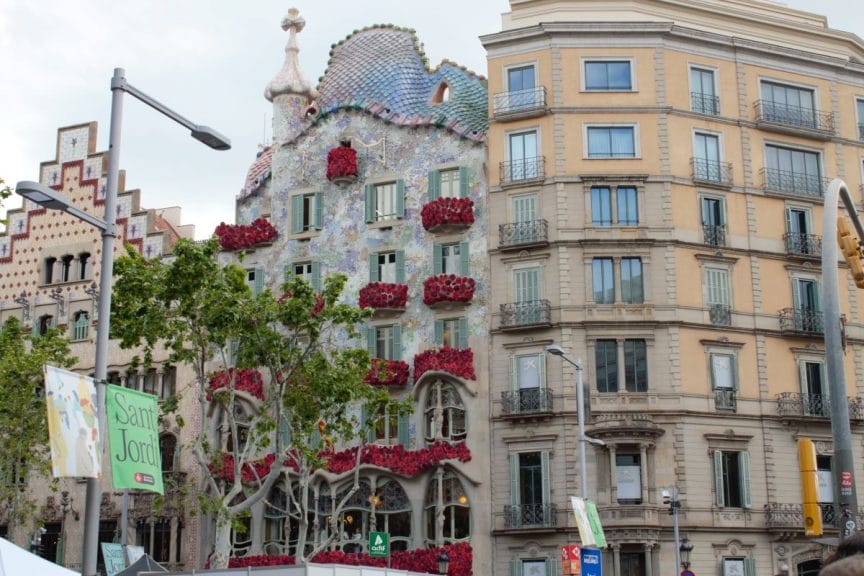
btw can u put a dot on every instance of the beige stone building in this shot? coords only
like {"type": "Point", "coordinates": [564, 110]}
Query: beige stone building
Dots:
{"type": "Point", "coordinates": [49, 274]}
{"type": "Point", "coordinates": [656, 174]}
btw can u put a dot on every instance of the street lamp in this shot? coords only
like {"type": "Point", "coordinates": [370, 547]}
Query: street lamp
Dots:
{"type": "Point", "coordinates": [443, 562]}
{"type": "Point", "coordinates": [44, 196]}
{"type": "Point", "coordinates": [685, 548]}
{"type": "Point", "coordinates": [670, 497]}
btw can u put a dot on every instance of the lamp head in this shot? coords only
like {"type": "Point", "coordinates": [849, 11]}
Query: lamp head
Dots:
{"type": "Point", "coordinates": [443, 562]}
{"type": "Point", "coordinates": [555, 350]}
{"type": "Point", "coordinates": [667, 496]}
{"type": "Point", "coordinates": [42, 195]}
{"type": "Point", "coordinates": [211, 138]}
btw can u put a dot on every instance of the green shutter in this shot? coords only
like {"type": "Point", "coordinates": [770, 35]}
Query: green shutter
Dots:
{"type": "Point", "coordinates": [366, 424]}
{"type": "Point", "coordinates": [259, 281]}
{"type": "Point", "coordinates": [515, 498]}
{"type": "Point", "coordinates": [434, 185]}
{"type": "Point", "coordinates": [399, 204]}
{"type": "Point", "coordinates": [370, 203]}
{"type": "Point", "coordinates": [439, 332]}
{"type": "Point", "coordinates": [400, 267]}
{"type": "Point", "coordinates": [397, 342]}
{"type": "Point", "coordinates": [319, 210]}
{"type": "Point", "coordinates": [744, 469]}
{"type": "Point", "coordinates": [541, 368]}
{"type": "Point", "coordinates": [711, 371]}
{"type": "Point", "coordinates": [296, 214]}
{"type": "Point", "coordinates": [547, 489]}
{"type": "Point", "coordinates": [464, 258]}
{"type": "Point", "coordinates": [463, 182]}
{"type": "Point", "coordinates": [371, 338]}
{"type": "Point", "coordinates": [750, 567]}
{"type": "Point", "coordinates": [402, 429]}
{"type": "Point", "coordinates": [718, 479]}
{"type": "Point", "coordinates": [733, 365]}
{"type": "Point", "coordinates": [552, 567]}
{"type": "Point", "coordinates": [373, 267]}
{"type": "Point", "coordinates": [437, 259]}
{"type": "Point", "coordinates": [516, 567]}
{"type": "Point", "coordinates": [463, 333]}
{"type": "Point", "coordinates": [817, 298]}
{"type": "Point", "coordinates": [514, 373]}
{"type": "Point", "coordinates": [316, 275]}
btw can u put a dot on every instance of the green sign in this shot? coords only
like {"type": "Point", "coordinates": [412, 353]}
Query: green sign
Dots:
{"type": "Point", "coordinates": [379, 544]}
{"type": "Point", "coordinates": [594, 521]}
{"type": "Point", "coordinates": [133, 436]}
{"type": "Point", "coordinates": [115, 560]}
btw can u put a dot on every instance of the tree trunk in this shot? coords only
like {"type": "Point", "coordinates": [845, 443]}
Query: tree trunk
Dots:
{"type": "Point", "coordinates": [222, 548]}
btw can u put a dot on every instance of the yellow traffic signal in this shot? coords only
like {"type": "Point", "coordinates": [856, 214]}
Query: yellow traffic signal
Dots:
{"type": "Point", "coordinates": [851, 250]}
{"type": "Point", "coordinates": [809, 488]}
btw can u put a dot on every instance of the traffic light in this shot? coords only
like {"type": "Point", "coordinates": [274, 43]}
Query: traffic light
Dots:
{"type": "Point", "coordinates": [809, 488]}
{"type": "Point", "coordinates": [851, 250]}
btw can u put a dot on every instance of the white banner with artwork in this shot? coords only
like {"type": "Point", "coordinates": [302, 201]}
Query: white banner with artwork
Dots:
{"type": "Point", "coordinates": [73, 424]}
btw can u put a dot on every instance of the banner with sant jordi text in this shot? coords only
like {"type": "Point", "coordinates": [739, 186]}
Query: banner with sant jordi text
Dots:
{"type": "Point", "coordinates": [133, 439]}
{"type": "Point", "coordinates": [73, 425]}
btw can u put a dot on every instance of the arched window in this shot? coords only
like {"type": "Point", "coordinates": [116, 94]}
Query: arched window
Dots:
{"type": "Point", "coordinates": [446, 494]}
{"type": "Point", "coordinates": [387, 509]}
{"type": "Point", "coordinates": [353, 522]}
{"type": "Point", "coordinates": [66, 268]}
{"type": "Point", "coordinates": [44, 324]}
{"type": "Point", "coordinates": [80, 326]}
{"type": "Point", "coordinates": [241, 418]}
{"type": "Point", "coordinates": [444, 414]}
{"type": "Point", "coordinates": [809, 568]}
{"type": "Point", "coordinates": [169, 382]}
{"type": "Point", "coordinates": [392, 513]}
{"type": "Point", "coordinates": [168, 451]}
{"type": "Point", "coordinates": [83, 266]}
{"type": "Point", "coordinates": [49, 270]}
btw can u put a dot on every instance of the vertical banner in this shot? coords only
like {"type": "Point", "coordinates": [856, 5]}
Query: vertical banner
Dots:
{"type": "Point", "coordinates": [580, 511]}
{"type": "Point", "coordinates": [133, 439]}
{"type": "Point", "coordinates": [73, 424]}
{"type": "Point", "coordinates": [596, 526]}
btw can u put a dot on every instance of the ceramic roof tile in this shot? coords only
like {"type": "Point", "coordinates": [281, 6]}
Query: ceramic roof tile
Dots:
{"type": "Point", "coordinates": [258, 172]}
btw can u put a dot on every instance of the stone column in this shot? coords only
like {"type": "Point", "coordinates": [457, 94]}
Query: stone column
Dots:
{"type": "Point", "coordinates": [613, 474]}
{"type": "Point", "coordinates": [643, 471]}
{"type": "Point", "coordinates": [616, 559]}
{"type": "Point", "coordinates": [173, 554]}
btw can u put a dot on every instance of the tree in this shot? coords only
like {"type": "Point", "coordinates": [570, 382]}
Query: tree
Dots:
{"type": "Point", "coordinates": [24, 448]}
{"type": "Point", "coordinates": [207, 316]}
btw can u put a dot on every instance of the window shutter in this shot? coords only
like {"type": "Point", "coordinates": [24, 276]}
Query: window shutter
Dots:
{"type": "Point", "coordinates": [464, 258]}
{"type": "Point", "coordinates": [718, 479]}
{"type": "Point", "coordinates": [259, 281]}
{"type": "Point", "coordinates": [541, 368]}
{"type": "Point", "coordinates": [733, 365]}
{"type": "Point", "coordinates": [319, 210]}
{"type": "Point", "coordinates": [516, 567]}
{"type": "Point", "coordinates": [749, 567]}
{"type": "Point", "coordinates": [515, 498]}
{"type": "Point", "coordinates": [439, 332]}
{"type": "Point", "coordinates": [316, 275]}
{"type": "Point", "coordinates": [402, 429]}
{"type": "Point", "coordinates": [399, 203]}
{"type": "Point", "coordinates": [287, 272]}
{"type": "Point", "coordinates": [796, 293]}
{"type": "Point", "coordinates": [371, 337]}
{"type": "Point", "coordinates": [817, 298]}
{"type": "Point", "coordinates": [744, 468]}
{"type": "Point", "coordinates": [514, 373]}
{"type": "Point", "coordinates": [437, 259]}
{"type": "Point", "coordinates": [366, 425]}
{"type": "Point", "coordinates": [370, 203]}
{"type": "Point", "coordinates": [547, 489]}
{"type": "Point", "coordinates": [400, 266]}
{"type": "Point", "coordinates": [296, 214]}
{"type": "Point", "coordinates": [397, 342]}
{"type": "Point", "coordinates": [463, 182]}
{"type": "Point", "coordinates": [711, 370]}
{"type": "Point", "coordinates": [434, 185]}
{"type": "Point", "coordinates": [789, 220]}
{"type": "Point", "coordinates": [463, 333]}
{"type": "Point", "coordinates": [552, 567]}
{"type": "Point", "coordinates": [373, 267]}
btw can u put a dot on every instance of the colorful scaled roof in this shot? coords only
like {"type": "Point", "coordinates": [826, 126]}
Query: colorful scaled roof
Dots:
{"type": "Point", "coordinates": [258, 173]}
{"type": "Point", "coordinates": [383, 70]}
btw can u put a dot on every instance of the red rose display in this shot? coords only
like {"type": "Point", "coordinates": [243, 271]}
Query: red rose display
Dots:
{"type": "Point", "coordinates": [448, 288]}
{"type": "Point", "coordinates": [237, 237]}
{"type": "Point", "coordinates": [246, 380]}
{"type": "Point", "coordinates": [447, 211]}
{"type": "Point", "coordinates": [387, 373]}
{"type": "Point", "coordinates": [251, 471]}
{"type": "Point", "coordinates": [397, 459]}
{"type": "Point", "coordinates": [452, 360]}
{"type": "Point", "coordinates": [383, 295]}
{"type": "Point", "coordinates": [341, 163]}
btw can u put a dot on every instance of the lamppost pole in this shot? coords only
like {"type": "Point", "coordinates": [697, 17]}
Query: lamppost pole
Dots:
{"type": "Point", "coordinates": [671, 498]}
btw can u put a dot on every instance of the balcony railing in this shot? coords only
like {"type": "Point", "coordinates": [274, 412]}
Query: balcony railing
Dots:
{"type": "Point", "coordinates": [714, 234]}
{"type": "Point", "coordinates": [720, 314]}
{"type": "Point", "coordinates": [794, 116]}
{"type": "Point", "coordinates": [517, 234]}
{"type": "Point", "coordinates": [801, 320]}
{"type": "Point", "coordinates": [796, 405]}
{"type": "Point", "coordinates": [793, 182]}
{"type": "Point", "coordinates": [724, 399]}
{"type": "Point", "coordinates": [521, 170]}
{"type": "Point", "coordinates": [803, 244]}
{"type": "Point", "coordinates": [517, 101]}
{"type": "Point", "coordinates": [526, 401]}
{"type": "Point", "coordinates": [704, 170]}
{"type": "Point", "coordinates": [704, 103]}
{"type": "Point", "coordinates": [525, 314]}
{"type": "Point", "coordinates": [788, 516]}
{"type": "Point", "coordinates": [531, 516]}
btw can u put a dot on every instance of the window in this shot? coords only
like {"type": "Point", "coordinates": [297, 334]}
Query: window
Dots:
{"type": "Point", "coordinates": [385, 202]}
{"type": "Point", "coordinates": [611, 142]}
{"type": "Point", "coordinates": [605, 209]}
{"type": "Point", "coordinates": [806, 303]}
{"type": "Point", "coordinates": [159, 533]}
{"type": "Point", "coordinates": [799, 238]}
{"type": "Point", "coordinates": [602, 280]}
{"type": "Point", "coordinates": [450, 183]}
{"type": "Point", "coordinates": [629, 362]}
{"type": "Point", "coordinates": [703, 95]}
{"type": "Point", "coordinates": [83, 265]}
{"type": "Point", "coordinates": [43, 324]}
{"type": "Point", "coordinates": [533, 567]}
{"type": "Point", "coordinates": [601, 206]}
{"type": "Point", "coordinates": [713, 214]}
{"type": "Point", "coordinates": [631, 281]}
{"type": "Point", "coordinates": [859, 106]}
{"type": "Point", "coordinates": [825, 478]}
{"type": "Point", "coordinates": [528, 382]}
{"type": "Point", "coordinates": [66, 268]}
{"type": "Point", "coordinates": [717, 295]}
{"type": "Point", "coordinates": [150, 381]}
{"type": "Point", "coordinates": [385, 342]}
{"type": "Point", "coordinates": [724, 379]}
{"type": "Point", "coordinates": [457, 512]}
{"type": "Point", "coordinates": [521, 93]}
{"type": "Point", "coordinates": [526, 226]}
{"type": "Point", "coordinates": [530, 493]}
{"type": "Point", "coordinates": [628, 206]}
{"type": "Point", "coordinates": [169, 382]}
{"type": "Point", "coordinates": [387, 267]}
{"type": "Point", "coordinates": [49, 270]}
{"type": "Point", "coordinates": [444, 405]}
{"type": "Point", "coordinates": [306, 212]}
{"type": "Point", "coordinates": [608, 75]}
{"type": "Point", "coordinates": [450, 187]}
{"type": "Point", "coordinates": [606, 361]}
{"type": "Point", "coordinates": [520, 78]}
{"type": "Point", "coordinates": [167, 450]}
{"type": "Point", "coordinates": [739, 567]}
{"type": "Point", "coordinates": [526, 288]}
{"type": "Point", "coordinates": [706, 158]}
{"type": "Point", "coordinates": [731, 479]}
{"type": "Point", "coordinates": [628, 478]}
{"type": "Point", "coordinates": [524, 164]}
{"type": "Point", "coordinates": [814, 388]}
{"type": "Point", "coordinates": [451, 258]}
{"type": "Point", "coordinates": [635, 366]}
{"type": "Point", "coordinates": [389, 428]}
{"type": "Point", "coordinates": [794, 171]}
{"type": "Point", "coordinates": [452, 332]}
{"type": "Point", "coordinates": [788, 105]}
{"type": "Point", "coordinates": [308, 271]}
{"type": "Point", "coordinates": [80, 326]}
{"type": "Point", "coordinates": [255, 279]}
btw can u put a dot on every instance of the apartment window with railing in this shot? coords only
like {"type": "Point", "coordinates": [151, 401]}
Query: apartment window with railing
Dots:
{"type": "Point", "coordinates": [793, 171]}
{"type": "Point", "coordinates": [814, 388]}
{"type": "Point", "coordinates": [521, 93]}
{"type": "Point", "coordinates": [703, 91]}
{"type": "Point", "coordinates": [788, 104]}
{"type": "Point", "coordinates": [724, 379]}
{"type": "Point", "coordinates": [799, 233]}
{"type": "Point", "coordinates": [713, 215]}
{"type": "Point", "coordinates": [706, 158]}
{"type": "Point", "coordinates": [619, 205]}
{"type": "Point", "coordinates": [731, 479]}
{"type": "Point", "coordinates": [530, 493]}
{"type": "Point", "coordinates": [385, 202]}
{"type": "Point", "coordinates": [524, 163]}
{"type": "Point", "coordinates": [528, 384]}
{"type": "Point", "coordinates": [718, 295]}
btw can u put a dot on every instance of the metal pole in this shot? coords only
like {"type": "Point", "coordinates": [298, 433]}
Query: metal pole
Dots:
{"type": "Point", "coordinates": [94, 488]}
{"type": "Point", "coordinates": [580, 400]}
{"type": "Point", "coordinates": [846, 505]}
{"type": "Point", "coordinates": [675, 505]}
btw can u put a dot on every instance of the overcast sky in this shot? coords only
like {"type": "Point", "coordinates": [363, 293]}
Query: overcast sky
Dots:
{"type": "Point", "coordinates": [210, 61]}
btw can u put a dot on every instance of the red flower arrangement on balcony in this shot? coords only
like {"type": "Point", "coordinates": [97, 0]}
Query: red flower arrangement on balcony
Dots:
{"type": "Point", "coordinates": [397, 459]}
{"type": "Point", "coordinates": [387, 373]}
{"type": "Point", "coordinates": [342, 162]}
{"type": "Point", "coordinates": [250, 472]}
{"type": "Point", "coordinates": [447, 211]}
{"type": "Point", "coordinates": [448, 288]}
{"type": "Point", "coordinates": [452, 360]}
{"type": "Point", "coordinates": [246, 380]}
{"type": "Point", "coordinates": [383, 295]}
{"type": "Point", "coordinates": [233, 237]}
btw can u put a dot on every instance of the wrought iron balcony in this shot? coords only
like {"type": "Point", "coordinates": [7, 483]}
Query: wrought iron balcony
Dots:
{"type": "Point", "coordinates": [714, 234]}
{"type": "Point", "coordinates": [724, 399]}
{"type": "Point", "coordinates": [519, 101]}
{"type": "Point", "coordinates": [801, 321]}
{"type": "Point", "coordinates": [711, 171]}
{"type": "Point", "coordinates": [522, 234]}
{"type": "Point", "coordinates": [526, 314]}
{"type": "Point", "coordinates": [793, 183]}
{"type": "Point", "coordinates": [794, 116]}
{"type": "Point", "coordinates": [791, 516]}
{"type": "Point", "coordinates": [720, 314]}
{"type": "Point", "coordinates": [704, 103]}
{"type": "Point", "coordinates": [531, 516]}
{"type": "Point", "coordinates": [803, 244]}
{"type": "Point", "coordinates": [797, 405]}
{"type": "Point", "coordinates": [526, 401]}
{"type": "Point", "coordinates": [523, 170]}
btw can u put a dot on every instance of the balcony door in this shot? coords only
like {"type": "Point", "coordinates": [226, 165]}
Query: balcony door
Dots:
{"type": "Point", "coordinates": [523, 156]}
{"type": "Point", "coordinates": [814, 389]}
{"type": "Point", "coordinates": [707, 157]}
{"type": "Point", "coordinates": [526, 285]}
{"type": "Point", "coordinates": [520, 88]}
{"type": "Point", "coordinates": [524, 219]}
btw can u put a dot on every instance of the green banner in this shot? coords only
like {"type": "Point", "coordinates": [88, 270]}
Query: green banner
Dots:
{"type": "Point", "coordinates": [133, 437]}
{"type": "Point", "coordinates": [596, 526]}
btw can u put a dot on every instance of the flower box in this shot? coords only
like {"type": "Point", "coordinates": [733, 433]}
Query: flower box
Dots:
{"type": "Point", "coordinates": [383, 295]}
{"type": "Point", "coordinates": [387, 373]}
{"type": "Point", "coordinates": [342, 164]}
{"type": "Point", "coordinates": [397, 459]}
{"type": "Point", "coordinates": [246, 380]}
{"type": "Point", "coordinates": [237, 237]}
{"type": "Point", "coordinates": [445, 214]}
{"type": "Point", "coordinates": [448, 288]}
{"type": "Point", "coordinates": [457, 362]}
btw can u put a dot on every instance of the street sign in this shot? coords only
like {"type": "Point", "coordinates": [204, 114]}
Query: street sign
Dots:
{"type": "Point", "coordinates": [571, 560]}
{"type": "Point", "coordinates": [687, 572]}
{"type": "Point", "coordinates": [592, 562]}
{"type": "Point", "coordinates": [379, 544]}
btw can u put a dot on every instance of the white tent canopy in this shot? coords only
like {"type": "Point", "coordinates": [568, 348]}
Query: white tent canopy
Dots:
{"type": "Point", "coordinates": [15, 561]}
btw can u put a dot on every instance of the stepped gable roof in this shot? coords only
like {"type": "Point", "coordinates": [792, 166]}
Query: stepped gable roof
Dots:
{"type": "Point", "coordinates": [383, 71]}
{"type": "Point", "coordinates": [258, 173]}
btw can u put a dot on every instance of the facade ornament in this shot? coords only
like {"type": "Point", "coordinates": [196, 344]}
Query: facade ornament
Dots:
{"type": "Point", "coordinates": [22, 301]}
{"type": "Point", "coordinates": [57, 295]}
{"type": "Point", "coordinates": [290, 79]}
